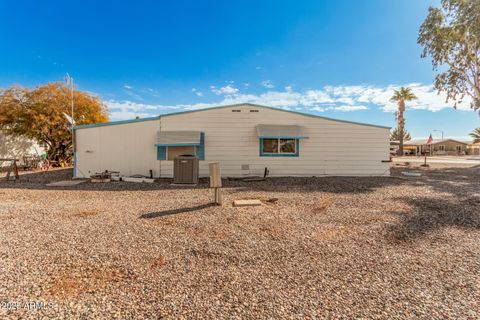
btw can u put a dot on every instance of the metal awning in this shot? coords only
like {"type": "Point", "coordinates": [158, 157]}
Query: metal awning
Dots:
{"type": "Point", "coordinates": [266, 131]}
{"type": "Point", "coordinates": [178, 138]}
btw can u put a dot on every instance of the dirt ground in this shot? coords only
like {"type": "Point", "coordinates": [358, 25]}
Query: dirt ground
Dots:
{"type": "Point", "coordinates": [331, 247]}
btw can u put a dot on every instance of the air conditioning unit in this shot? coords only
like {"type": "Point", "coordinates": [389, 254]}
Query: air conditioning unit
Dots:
{"type": "Point", "coordinates": [185, 169]}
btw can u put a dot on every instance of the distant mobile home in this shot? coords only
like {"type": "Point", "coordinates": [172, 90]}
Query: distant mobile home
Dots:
{"type": "Point", "coordinates": [244, 138]}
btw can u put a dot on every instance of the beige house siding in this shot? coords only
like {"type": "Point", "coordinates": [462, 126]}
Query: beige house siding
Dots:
{"type": "Point", "coordinates": [128, 148]}
{"type": "Point", "coordinates": [18, 147]}
{"type": "Point", "coordinates": [473, 149]}
{"type": "Point", "coordinates": [449, 147]}
{"type": "Point", "coordinates": [333, 147]}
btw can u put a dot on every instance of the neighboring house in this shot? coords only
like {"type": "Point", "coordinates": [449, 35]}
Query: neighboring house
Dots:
{"type": "Point", "coordinates": [437, 148]}
{"type": "Point", "coordinates": [394, 146]}
{"type": "Point", "coordinates": [17, 147]}
{"type": "Point", "coordinates": [244, 138]}
{"type": "Point", "coordinates": [473, 149]}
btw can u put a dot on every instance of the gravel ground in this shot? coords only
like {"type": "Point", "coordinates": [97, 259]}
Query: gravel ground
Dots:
{"type": "Point", "coordinates": [337, 247]}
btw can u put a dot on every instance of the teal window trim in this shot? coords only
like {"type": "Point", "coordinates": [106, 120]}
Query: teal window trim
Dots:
{"type": "Point", "coordinates": [199, 148]}
{"type": "Point", "coordinates": [161, 153]}
{"type": "Point", "coordinates": [296, 154]}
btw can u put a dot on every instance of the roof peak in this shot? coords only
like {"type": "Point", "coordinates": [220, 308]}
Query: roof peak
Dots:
{"type": "Point", "coordinates": [228, 106]}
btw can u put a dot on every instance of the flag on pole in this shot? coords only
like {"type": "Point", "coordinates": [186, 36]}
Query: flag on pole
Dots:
{"type": "Point", "coordinates": [430, 140]}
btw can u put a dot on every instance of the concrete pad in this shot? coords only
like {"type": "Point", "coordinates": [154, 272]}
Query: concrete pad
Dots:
{"type": "Point", "coordinates": [246, 203]}
{"type": "Point", "coordinates": [411, 174]}
{"type": "Point", "coordinates": [65, 183]}
{"type": "Point", "coordinates": [140, 180]}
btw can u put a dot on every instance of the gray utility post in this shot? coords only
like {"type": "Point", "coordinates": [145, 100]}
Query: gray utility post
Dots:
{"type": "Point", "coordinates": [216, 181]}
{"type": "Point", "coordinates": [436, 130]}
{"type": "Point", "coordinates": [69, 81]}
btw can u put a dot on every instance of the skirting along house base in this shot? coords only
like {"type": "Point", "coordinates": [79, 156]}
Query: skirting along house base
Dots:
{"type": "Point", "coordinates": [244, 138]}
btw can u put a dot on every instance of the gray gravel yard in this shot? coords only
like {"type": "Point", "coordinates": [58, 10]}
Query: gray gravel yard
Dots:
{"type": "Point", "coordinates": [336, 247]}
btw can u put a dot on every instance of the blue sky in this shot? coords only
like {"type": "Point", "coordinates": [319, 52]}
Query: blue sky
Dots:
{"type": "Point", "coordinates": [338, 59]}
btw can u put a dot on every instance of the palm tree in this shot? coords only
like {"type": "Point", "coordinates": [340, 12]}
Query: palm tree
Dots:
{"type": "Point", "coordinates": [475, 135]}
{"type": "Point", "coordinates": [401, 96]}
{"type": "Point", "coordinates": [395, 135]}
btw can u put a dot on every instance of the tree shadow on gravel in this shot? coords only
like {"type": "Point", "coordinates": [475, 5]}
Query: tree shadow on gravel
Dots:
{"type": "Point", "coordinates": [164, 213]}
{"type": "Point", "coordinates": [430, 215]}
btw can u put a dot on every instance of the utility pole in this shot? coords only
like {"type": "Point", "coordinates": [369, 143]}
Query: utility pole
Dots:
{"type": "Point", "coordinates": [439, 131]}
{"type": "Point", "coordinates": [69, 81]}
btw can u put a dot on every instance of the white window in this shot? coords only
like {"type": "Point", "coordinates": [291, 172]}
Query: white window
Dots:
{"type": "Point", "coordinates": [279, 146]}
{"type": "Point", "coordinates": [441, 148]}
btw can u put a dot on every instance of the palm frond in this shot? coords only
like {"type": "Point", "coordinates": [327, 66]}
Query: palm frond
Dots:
{"type": "Point", "coordinates": [475, 135]}
{"type": "Point", "coordinates": [403, 94]}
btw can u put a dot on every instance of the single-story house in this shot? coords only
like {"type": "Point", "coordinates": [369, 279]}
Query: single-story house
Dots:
{"type": "Point", "coordinates": [17, 147]}
{"type": "Point", "coordinates": [473, 149]}
{"type": "Point", "coordinates": [437, 148]}
{"type": "Point", "coordinates": [394, 146]}
{"type": "Point", "coordinates": [244, 138]}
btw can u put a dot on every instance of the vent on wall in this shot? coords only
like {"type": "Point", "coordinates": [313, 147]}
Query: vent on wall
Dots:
{"type": "Point", "coordinates": [236, 110]}
{"type": "Point", "coordinates": [254, 110]}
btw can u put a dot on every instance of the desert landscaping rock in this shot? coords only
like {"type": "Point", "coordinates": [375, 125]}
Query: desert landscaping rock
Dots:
{"type": "Point", "coordinates": [335, 247]}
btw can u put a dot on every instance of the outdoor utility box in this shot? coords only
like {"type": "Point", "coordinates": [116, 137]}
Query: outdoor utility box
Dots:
{"type": "Point", "coordinates": [185, 169]}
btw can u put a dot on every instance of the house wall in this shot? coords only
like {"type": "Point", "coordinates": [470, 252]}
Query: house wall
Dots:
{"type": "Point", "coordinates": [473, 149]}
{"type": "Point", "coordinates": [18, 147]}
{"type": "Point", "coordinates": [128, 148]}
{"type": "Point", "coordinates": [333, 148]}
{"type": "Point", "coordinates": [450, 147]}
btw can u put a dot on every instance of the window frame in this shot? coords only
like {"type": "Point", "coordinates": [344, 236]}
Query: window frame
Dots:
{"type": "Point", "coordinates": [280, 154]}
{"type": "Point", "coordinates": [199, 149]}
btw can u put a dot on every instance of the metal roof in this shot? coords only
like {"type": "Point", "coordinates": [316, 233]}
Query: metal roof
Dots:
{"type": "Point", "coordinates": [280, 131]}
{"type": "Point", "coordinates": [225, 106]}
{"type": "Point", "coordinates": [178, 138]}
{"type": "Point", "coordinates": [420, 142]}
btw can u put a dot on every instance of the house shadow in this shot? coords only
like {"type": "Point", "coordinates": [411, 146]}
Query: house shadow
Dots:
{"type": "Point", "coordinates": [458, 208]}
{"type": "Point", "coordinates": [431, 215]}
{"type": "Point", "coordinates": [332, 184]}
{"type": "Point", "coordinates": [159, 214]}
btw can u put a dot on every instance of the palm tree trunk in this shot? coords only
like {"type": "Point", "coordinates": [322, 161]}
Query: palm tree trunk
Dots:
{"type": "Point", "coordinates": [401, 126]}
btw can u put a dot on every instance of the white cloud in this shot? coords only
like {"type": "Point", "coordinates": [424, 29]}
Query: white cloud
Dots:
{"type": "Point", "coordinates": [197, 93]}
{"type": "Point", "coordinates": [427, 97]}
{"type": "Point", "coordinates": [267, 84]}
{"type": "Point", "coordinates": [329, 98]}
{"type": "Point", "coordinates": [126, 86]}
{"type": "Point", "coordinates": [349, 108]}
{"type": "Point", "coordinates": [228, 89]}
{"type": "Point", "coordinates": [127, 115]}
{"type": "Point", "coordinates": [338, 108]}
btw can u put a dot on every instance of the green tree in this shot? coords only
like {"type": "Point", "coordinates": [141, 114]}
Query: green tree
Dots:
{"type": "Point", "coordinates": [395, 135]}
{"type": "Point", "coordinates": [400, 97]}
{"type": "Point", "coordinates": [451, 36]}
{"type": "Point", "coordinates": [475, 135]}
{"type": "Point", "coordinates": [38, 114]}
